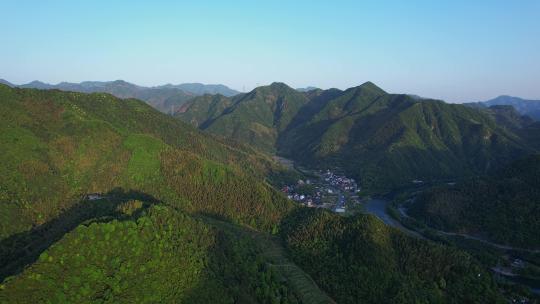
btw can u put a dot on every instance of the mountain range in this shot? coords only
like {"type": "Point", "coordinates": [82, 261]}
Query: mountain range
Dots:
{"type": "Point", "coordinates": [530, 108]}
{"type": "Point", "coordinates": [108, 200]}
{"type": "Point", "coordinates": [165, 98]}
{"type": "Point", "coordinates": [384, 140]}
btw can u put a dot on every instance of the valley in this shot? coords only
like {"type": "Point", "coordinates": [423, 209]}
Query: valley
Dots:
{"type": "Point", "coordinates": [393, 215]}
{"type": "Point", "coordinates": [297, 230]}
{"type": "Point", "coordinates": [379, 208]}
{"type": "Point", "coordinates": [325, 190]}
{"type": "Point", "coordinates": [383, 140]}
{"type": "Point", "coordinates": [270, 152]}
{"type": "Point", "coordinates": [510, 262]}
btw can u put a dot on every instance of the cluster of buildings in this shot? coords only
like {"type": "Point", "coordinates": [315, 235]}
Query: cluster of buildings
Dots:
{"type": "Point", "coordinates": [294, 193]}
{"type": "Point", "coordinates": [341, 182]}
{"type": "Point", "coordinates": [326, 192]}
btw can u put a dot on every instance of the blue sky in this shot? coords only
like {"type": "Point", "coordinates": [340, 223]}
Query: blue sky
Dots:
{"type": "Point", "coordinates": [452, 50]}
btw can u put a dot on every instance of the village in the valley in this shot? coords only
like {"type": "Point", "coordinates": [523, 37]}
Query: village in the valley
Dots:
{"type": "Point", "coordinates": [327, 190]}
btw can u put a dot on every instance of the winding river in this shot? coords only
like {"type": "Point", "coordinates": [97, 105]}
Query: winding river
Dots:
{"type": "Point", "coordinates": [378, 208]}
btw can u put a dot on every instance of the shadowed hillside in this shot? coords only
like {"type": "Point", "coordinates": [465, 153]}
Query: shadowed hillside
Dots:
{"type": "Point", "coordinates": [503, 207]}
{"type": "Point", "coordinates": [358, 259]}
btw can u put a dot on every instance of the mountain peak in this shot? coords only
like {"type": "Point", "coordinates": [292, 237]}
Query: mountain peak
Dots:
{"type": "Point", "coordinates": [273, 88]}
{"type": "Point", "coordinates": [367, 88]}
{"type": "Point", "coordinates": [3, 81]}
{"type": "Point", "coordinates": [279, 85]}
{"type": "Point", "coordinates": [36, 84]}
{"type": "Point", "coordinates": [120, 82]}
{"type": "Point", "coordinates": [507, 99]}
{"type": "Point", "coordinates": [368, 85]}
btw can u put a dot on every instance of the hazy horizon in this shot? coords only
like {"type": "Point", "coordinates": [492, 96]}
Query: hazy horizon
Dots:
{"type": "Point", "coordinates": [265, 84]}
{"type": "Point", "coordinates": [459, 51]}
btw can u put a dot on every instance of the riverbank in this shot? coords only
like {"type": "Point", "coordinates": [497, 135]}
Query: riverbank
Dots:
{"type": "Point", "coordinates": [335, 198]}
{"type": "Point", "coordinates": [379, 208]}
{"type": "Point", "coordinates": [483, 246]}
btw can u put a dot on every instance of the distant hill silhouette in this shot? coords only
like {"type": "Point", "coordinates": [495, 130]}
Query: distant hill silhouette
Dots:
{"type": "Point", "coordinates": [166, 98]}
{"type": "Point", "coordinates": [306, 89]}
{"type": "Point", "coordinates": [523, 106]}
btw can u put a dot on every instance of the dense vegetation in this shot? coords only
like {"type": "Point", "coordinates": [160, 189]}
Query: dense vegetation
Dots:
{"type": "Point", "coordinates": [384, 140]}
{"type": "Point", "coordinates": [360, 260]}
{"type": "Point", "coordinates": [184, 217]}
{"type": "Point", "coordinates": [255, 118]}
{"type": "Point", "coordinates": [59, 146]}
{"type": "Point", "coordinates": [161, 256]}
{"type": "Point", "coordinates": [504, 207]}
{"type": "Point", "coordinates": [507, 117]}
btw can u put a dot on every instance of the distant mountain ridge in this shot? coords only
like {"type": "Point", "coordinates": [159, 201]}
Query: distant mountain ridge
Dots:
{"type": "Point", "coordinates": [307, 89]}
{"type": "Point", "coordinates": [166, 98]}
{"type": "Point", "coordinates": [201, 89]}
{"type": "Point", "coordinates": [3, 81]}
{"type": "Point", "coordinates": [523, 106]}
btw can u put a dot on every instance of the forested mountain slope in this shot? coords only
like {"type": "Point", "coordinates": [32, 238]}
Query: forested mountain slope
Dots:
{"type": "Point", "coordinates": [503, 207]}
{"type": "Point", "coordinates": [256, 118]}
{"type": "Point", "coordinates": [384, 140]}
{"type": "Point", "coordinates": [179, 216]}
{"type": "Point", "coordinates": [159, 255]}
{"type": "Point", "coordinates": [59, 146]}
{"type": "Point", "coordinates": [358, 259]}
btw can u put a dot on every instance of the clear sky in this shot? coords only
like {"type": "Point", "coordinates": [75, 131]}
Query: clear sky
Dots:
{"type": "Point", "coordinates": [453, 50]}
